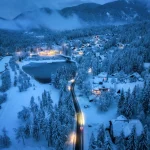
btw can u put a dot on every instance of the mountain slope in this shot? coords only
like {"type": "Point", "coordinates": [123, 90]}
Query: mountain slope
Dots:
{"type": "Point", "coordinates": [121, 10]}
{"type": "Point", "coordinates": [33, 14]}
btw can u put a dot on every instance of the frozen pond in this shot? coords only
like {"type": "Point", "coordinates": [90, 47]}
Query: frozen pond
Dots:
{"type": "Point", "coordinates": [43, 71]}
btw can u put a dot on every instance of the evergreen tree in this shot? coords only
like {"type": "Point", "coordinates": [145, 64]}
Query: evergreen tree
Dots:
{"type": "Point", "coordinates": [27, 130]}
{"type": "Point", "coordinates": [15, 81]}
{"type": "Point", "coordinates": [107, 145]}
{"type": "Point", "coordinates": [49, 132]}
{"type": "Point", "coordinates": [121, 102]}
{"type": "Point", "coordinates": [101, 136]}
{"type": "Point", "coordinates": [132, 141]}
{"type": "Point", "coordinates": [35, 128]}
{"type": "Point", "coordinates": [92, 144]}
{"type": "Point", "coordinates": [6, 81]}
{"type": "Point", "coordinates": [146, 99]}
{"type": "Point", "coordinates": [49, 103]}
{"type": "Point", "coordinates": [24, 114]}
{"type": "Point", "coordinates": [121, 142]}
{"type": "Point", "coordinates": [20, 134]}
{"type": "Point", "coordinates": [4, 139]}
{"type": "Point", "coordinates": [143, 140]}
{"type": "Point", "coordinates": [3, 98]}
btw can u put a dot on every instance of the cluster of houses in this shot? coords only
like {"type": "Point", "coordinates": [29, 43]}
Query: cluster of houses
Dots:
{"type": "Point", "coordinates": [103, 83]}
{"type": "Point", "coordinates": [97, 85]}
{"type": "Point", "coordinates": [41, 51]}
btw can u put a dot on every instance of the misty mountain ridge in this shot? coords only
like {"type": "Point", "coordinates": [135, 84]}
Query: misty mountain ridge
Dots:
{"type": "Point", "coordinates": [121, 11]}
{"type": "Point", "coordinates": [33, 13]}
{"type": "Point", "coordinates": [117, 11]}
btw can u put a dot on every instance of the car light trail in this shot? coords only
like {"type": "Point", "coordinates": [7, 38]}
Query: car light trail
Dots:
{"type": "Point", "coordinates": [73, 138]}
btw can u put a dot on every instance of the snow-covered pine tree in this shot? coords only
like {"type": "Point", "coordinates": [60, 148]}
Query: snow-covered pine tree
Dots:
{"type": "Point", "coordinates": [41, 117]}
{"type": "Point", "coordinates": [146, 98]}
{"type": "Point", "coordinates": [15, 81]}
{"type": "Point", "coordinates": [132, 142]}
{"type": "Point", "coordinates": [121, 142]}
{"type": "Point", "coordinates": [143, 140]}
{"type": "Point", "coordinates": [6, 81]}
{"type": "Point", "coordinates": [35, 128]}
{"type": "Point", "coordinates": [24, 115]}
{"type": "Point", "coordinates": [27, 130]}
{"type": "Point", "coordinates": [4, 139]}
{"type": "Point", "coordinates": [20, 134]}
{"type": "Point", "coordinates": [121, 102]}
{"type": "Point", "coordinates": [101, 136]}
{"type": "Point", "coordinates": [3, 98]}
{"type": "Point", "coordinates": [49, 103]}
{"type": "Point", "coordinates": [92, 144]}
{"type": "Point", "coordinates": [107, 145]}
{"type": "Point", "coordinates": [44, 99]}
{"type": "Point", "coordinates": [48, 134]}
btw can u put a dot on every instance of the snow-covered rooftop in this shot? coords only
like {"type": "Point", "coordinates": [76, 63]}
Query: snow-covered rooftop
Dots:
{"type": "Point", "coordinates": [123, 124]}
{"type": "Point", "coordinates": [146, 65]}
{"type": "Point", "coordinates": [102, 75]}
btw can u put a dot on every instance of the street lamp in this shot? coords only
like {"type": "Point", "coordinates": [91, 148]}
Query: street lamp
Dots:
{"type": "Point", "coordinates": [69, 87]}
{"type": "Point", "coordinates": [90, 70]}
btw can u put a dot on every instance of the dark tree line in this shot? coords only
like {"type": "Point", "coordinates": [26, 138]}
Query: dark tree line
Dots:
{"type": "Point", "coordinates": [4, 139]}
{"type": "Point", "coordinates": [6, 81]}
{"type": "Point", "coordinates": [23, 81]}
{"type": "Point", "coordinates": [3, 98]}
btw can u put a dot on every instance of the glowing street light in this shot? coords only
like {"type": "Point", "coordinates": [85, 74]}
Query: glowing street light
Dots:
{"type": "Point", "coordinates": [81, 120]}
{"type": "Point", "coordinates": [72, 81]}
{"type": "Point", "coordinates": [69, 87]}
{"type": "Point", "coordinates": [73, 138]}
{"type": "Point", "coordinates": [90, 70]}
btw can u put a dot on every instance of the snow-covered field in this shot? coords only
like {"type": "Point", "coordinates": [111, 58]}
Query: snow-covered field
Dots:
{"type": "Point", "coordinates": [14, 104]}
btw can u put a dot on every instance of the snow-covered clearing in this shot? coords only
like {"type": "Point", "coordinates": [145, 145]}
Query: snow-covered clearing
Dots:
{"type": "Point", "coordinates": [14, 103]}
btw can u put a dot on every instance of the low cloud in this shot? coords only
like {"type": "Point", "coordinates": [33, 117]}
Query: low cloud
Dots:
{"type": "Point", "coordinates": [54, 21]}
{"type": "Point", "coordinates": [11, 8]}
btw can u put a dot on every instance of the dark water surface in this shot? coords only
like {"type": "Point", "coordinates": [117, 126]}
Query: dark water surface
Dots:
{"type": "Point", "coordinates": [43, 71]}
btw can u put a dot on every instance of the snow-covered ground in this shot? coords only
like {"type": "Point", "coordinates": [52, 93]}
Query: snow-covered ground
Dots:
{"type": "Point", "coordinates": [93, 118]}
{"type": "Point", "coordinates": [14, 103]}
{"type": "Point", "coordinates": [25, 62]}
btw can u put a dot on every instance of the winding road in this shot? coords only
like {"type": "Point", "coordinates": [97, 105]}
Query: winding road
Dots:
{"type": "Point", "coordinates": [79, 145]}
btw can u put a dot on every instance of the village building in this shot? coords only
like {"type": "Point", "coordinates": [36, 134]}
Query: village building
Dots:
{"type": "Point", "coordinates": [122, 124]}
